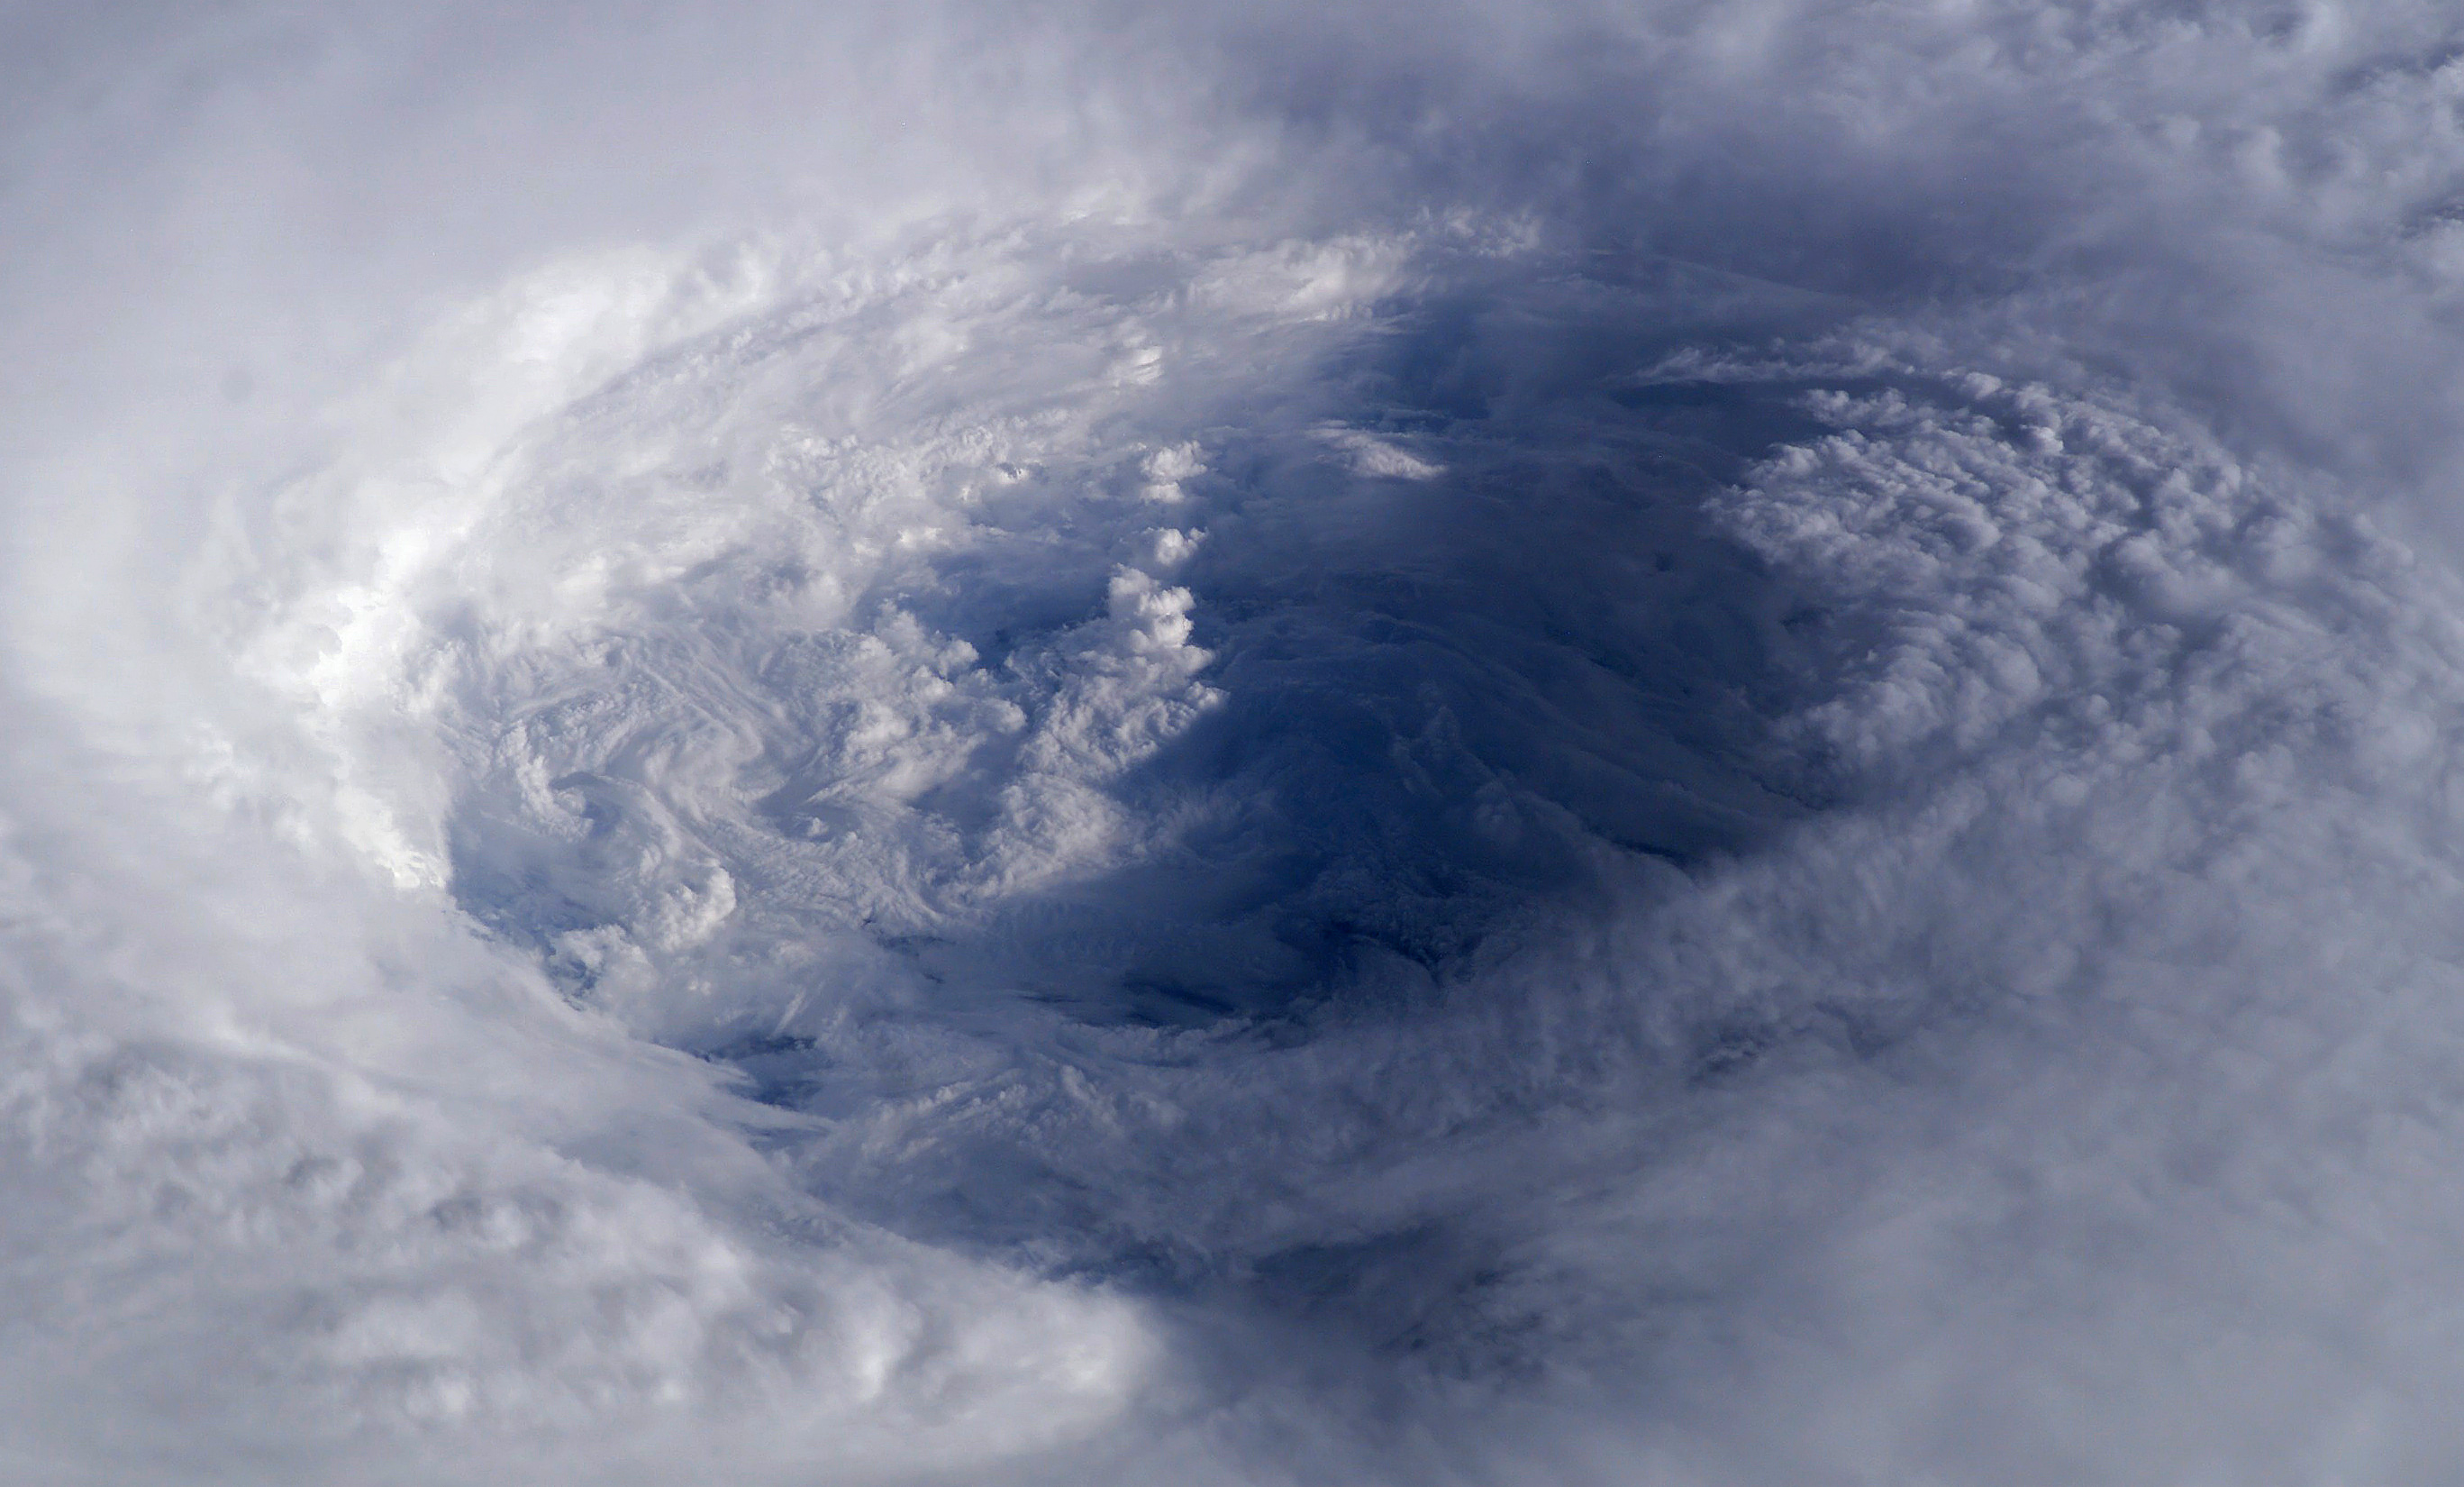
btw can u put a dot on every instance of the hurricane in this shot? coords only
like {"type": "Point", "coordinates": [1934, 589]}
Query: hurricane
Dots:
{"type": "Point", "coordinates": [1613, 743]}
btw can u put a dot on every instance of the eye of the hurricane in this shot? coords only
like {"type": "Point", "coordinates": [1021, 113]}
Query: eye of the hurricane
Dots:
{"type": "Point", "coordinates": [1112, 769]}
{"type": "Point", "coordinates": [1154, 695]}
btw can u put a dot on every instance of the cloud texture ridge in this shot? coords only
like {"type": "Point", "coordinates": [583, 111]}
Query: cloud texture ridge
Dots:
{"type": "Point", "coordinates": [1666, 743]}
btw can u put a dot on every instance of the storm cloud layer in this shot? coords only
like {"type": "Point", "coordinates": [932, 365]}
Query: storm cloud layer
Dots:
{"type": "Point", "coordinates": [1669, 743]}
